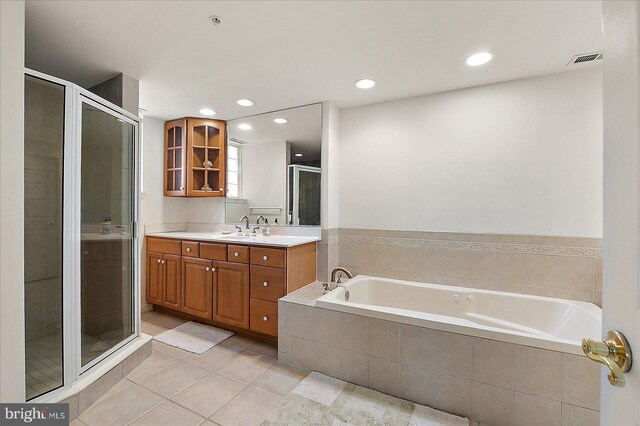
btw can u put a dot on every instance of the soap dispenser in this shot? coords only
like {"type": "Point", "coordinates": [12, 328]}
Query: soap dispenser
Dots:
{"type": "Point", "coordinates": [266, 229]}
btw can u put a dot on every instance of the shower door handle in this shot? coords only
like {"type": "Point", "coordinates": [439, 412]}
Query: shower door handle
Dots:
{"type": "Point", "coordinates": [614, 352]}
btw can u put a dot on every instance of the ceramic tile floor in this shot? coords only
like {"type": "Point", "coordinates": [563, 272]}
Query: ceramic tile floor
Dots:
{"type": "Point", "coordinates": [238, 382]}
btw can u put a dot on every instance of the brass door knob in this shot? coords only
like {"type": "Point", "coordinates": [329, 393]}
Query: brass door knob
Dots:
{"type": "Point", "coordinates": [614, 352]}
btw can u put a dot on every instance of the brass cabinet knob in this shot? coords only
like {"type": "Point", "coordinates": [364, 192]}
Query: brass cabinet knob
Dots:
{"type": "Point", "coordinates": [265, 284]}
{"type": "Point", "coordinates": [614, 352]}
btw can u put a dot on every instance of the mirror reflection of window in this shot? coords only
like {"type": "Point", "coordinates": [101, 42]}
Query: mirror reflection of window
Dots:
{"type": "Point", "coordinates": [233, 170]}
{"type": "Point", "coordinates": [262, 149]}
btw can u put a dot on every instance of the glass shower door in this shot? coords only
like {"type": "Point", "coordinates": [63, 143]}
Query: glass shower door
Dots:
{"type": "Point", "coordinates": [107, 231]}
{"type": "Point", "coordinates": [304, 195]}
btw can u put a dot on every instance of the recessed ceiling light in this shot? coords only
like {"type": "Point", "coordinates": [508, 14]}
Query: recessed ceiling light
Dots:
{"type": "Point", "coordinates": [280, 120]}
{"type": "Point", "coordinates": [244, 126]}
{"type": "Point", "coordinates": [479, 59]}
{"type": "Point", "coordinates": [365, 83]}
{"type": "Point", "coordinates": [245, 102]}
{"type": "Point", "coordinates": [298, 154]}
{"type": "Point", "coordinates": [207, 111]}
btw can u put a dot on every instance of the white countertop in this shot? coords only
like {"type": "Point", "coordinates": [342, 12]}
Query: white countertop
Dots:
{"type": "Point", "coordinates": [259, 240]}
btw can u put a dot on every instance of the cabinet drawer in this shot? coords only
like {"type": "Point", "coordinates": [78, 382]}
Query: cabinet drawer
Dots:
{"type": "Point", "coordinates": [238, 254]}
{"type": "Point", "coordinates": [190, 248]}
{"type": "Point", "coordinates": [163, 245]}
{"type": "Point", "coordinates": [269, 257]}
{"type": "Point", "coordinates": [264, 317]}
{"type": "Point", "coordinates": [267, 283]}
{"type": "Point", "coordinates": [213, 251]}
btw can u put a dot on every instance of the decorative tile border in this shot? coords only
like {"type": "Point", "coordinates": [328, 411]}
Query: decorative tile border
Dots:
{"type": "Point", "coordinates": [553, 250]}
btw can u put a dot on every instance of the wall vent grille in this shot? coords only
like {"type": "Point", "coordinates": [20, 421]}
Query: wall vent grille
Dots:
{"type": "Point", "coordinates": [585, 57]}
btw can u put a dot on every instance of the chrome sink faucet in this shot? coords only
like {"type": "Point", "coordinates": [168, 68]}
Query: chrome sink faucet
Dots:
{"type": "Point", "coordinates": [245, 218]}
{"type": "Point", "coordinates": [258, 220]}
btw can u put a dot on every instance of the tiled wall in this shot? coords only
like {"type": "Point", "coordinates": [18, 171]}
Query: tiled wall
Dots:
{"type": "Point", "coordinates": [569, 268]}
{"type": "Point", "coordinates": [487, 381]}
{"type": "Point", "coordinates": [327, 257]}
{"type": "Point", "coordinates": [44, 126]}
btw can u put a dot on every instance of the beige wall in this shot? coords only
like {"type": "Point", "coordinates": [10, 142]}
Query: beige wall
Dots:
{"type": "Point", "coordinates": [12, 380]}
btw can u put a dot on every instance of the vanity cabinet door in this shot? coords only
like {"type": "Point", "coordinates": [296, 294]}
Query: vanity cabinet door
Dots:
{"type": "Point", "coordinates": [154, 278]}
{"type": "Point", "coordinates": [172, 279]}
{"type": "Point", "coordinates": [197, 287]}
{"type": "Point", "coordinates": [231, 294]}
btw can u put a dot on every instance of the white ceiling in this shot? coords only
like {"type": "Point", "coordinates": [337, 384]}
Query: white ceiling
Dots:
{"type": "Point", "coordinates": [282, 54]}
{"type": "Point", "coordinates": [304, 126]}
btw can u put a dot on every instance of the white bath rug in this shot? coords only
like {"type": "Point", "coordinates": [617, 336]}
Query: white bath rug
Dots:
{"type": "Point", "coordinates": [322, 400]}
{"type": "Point", "coordinates": [193, 337]}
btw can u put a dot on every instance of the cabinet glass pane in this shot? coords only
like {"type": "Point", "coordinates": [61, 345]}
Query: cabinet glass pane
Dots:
{"type": "Point", "coordinates": [43, 162]}
{"type": "Point", "coordinates": [107, 225]}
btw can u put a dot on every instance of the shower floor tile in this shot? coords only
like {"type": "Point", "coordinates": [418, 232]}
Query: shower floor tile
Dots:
{"type": "Point", "coordinates": [43, 361]}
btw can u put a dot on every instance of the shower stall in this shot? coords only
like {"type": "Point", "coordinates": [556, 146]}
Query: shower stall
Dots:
{"type": "Point", "coordinates": [81, 248]}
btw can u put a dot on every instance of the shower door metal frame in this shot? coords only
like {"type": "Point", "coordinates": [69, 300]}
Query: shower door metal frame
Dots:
{"type": "Point", "coordinates": [72, 231]}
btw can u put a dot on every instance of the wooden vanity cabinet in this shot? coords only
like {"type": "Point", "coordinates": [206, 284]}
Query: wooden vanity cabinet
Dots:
{"type": "Point", "coordinates": [154, 278]}
{"type": "Point", "coordinates": [172, 281]}
{"type": "Point", "coordinates": [195, 157]}
{"type": "Point", "coordinates": [198, 277]}
{"type": "Point", "coordinates": [163, 279]}
{"type": "Point", "coordinates": [227, 285]}
{"type": "Point", "coordinates": [231, 294]}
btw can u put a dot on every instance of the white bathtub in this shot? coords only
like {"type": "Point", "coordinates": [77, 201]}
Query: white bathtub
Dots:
{"type": "Point", "coordinates": [542, 322]}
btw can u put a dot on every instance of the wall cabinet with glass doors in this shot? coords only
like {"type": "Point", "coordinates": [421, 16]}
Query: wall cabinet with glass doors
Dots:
{"type": "Point", "coordinates": [194, 157]}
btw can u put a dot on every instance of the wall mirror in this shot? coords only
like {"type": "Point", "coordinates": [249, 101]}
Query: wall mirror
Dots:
{"type": "Point", "coordinates": [274, 168]}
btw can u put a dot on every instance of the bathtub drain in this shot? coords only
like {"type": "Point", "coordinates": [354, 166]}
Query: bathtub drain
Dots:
{"type": "Point", "coordinates": [346, 296]}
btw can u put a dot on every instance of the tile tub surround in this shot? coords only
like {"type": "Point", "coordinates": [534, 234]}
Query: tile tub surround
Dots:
{"type": "Point", "coordinates": [488, 381]}
{"type": "Point", "coordinates": [564, 267]}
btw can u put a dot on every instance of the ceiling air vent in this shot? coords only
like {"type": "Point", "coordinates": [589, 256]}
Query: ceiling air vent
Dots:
{"type": "Point", "coordinates": [585, 57]}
